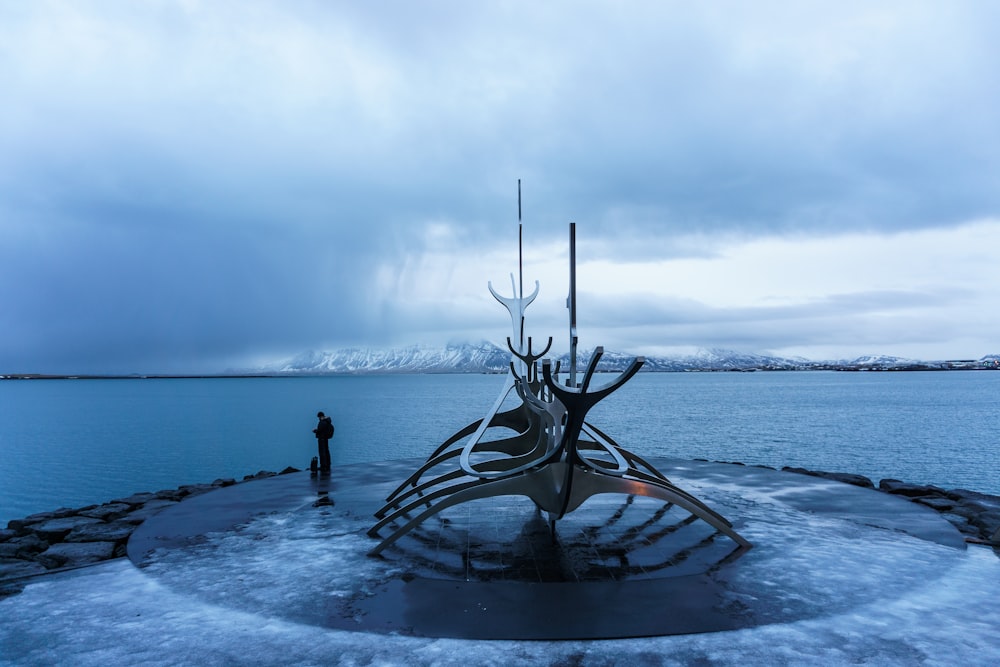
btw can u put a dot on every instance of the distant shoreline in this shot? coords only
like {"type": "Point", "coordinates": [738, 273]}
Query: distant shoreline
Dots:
{"type": "Point", "coordinates": [244, 376]}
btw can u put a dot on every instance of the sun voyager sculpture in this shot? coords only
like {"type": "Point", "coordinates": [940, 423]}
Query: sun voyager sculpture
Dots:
{"type": "Point", "coordinates": [550, 452]}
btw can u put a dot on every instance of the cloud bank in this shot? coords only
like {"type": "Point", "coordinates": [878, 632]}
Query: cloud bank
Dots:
{"type": "Point", "coordinates": [190, 186]}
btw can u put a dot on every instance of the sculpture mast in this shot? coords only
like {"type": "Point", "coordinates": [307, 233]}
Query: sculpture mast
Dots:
{"type": "Point", "coordinates": [520, 261]}
{"type": "Point", "coordinates": [571, 304]}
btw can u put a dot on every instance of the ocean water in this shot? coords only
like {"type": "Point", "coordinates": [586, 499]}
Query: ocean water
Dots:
{"type": "Point", "coordinates": [69, 443]}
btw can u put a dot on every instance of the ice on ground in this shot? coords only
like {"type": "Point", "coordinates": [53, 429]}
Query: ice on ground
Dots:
{"type": "Point", "coordinates": [115, 614]}
{"type": "Point", "coordinates": [833, 592]}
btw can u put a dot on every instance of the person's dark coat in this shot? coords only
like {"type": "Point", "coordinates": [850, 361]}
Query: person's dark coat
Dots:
{"type": "Point", "coordinates": [324, 431]}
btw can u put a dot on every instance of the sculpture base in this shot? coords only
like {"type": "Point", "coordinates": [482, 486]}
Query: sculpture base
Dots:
{"type": "Point", "coordinates": [619, 566]}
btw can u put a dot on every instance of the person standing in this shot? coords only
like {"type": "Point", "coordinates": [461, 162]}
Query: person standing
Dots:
{"type": "Point", "coordinates": [323, 431]}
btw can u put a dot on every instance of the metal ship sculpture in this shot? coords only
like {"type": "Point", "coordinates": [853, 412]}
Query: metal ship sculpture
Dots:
{"type": "Point", "coordinates": [549, 452]}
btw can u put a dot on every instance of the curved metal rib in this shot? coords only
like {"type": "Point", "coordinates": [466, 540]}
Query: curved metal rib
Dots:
{"type": "Point", "coordinates": [591, 485]}
{"type": "Point", "coordinates": [541, 429]}
{"type": "Point", "coordinates": [578, 402]}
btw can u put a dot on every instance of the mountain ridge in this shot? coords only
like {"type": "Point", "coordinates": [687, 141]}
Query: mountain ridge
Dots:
{"type": "Point", "coordinates": [487, 357]}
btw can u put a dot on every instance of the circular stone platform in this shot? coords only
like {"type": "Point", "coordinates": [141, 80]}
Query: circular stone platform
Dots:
{"type": "Point", "coordinates": [619, 567]}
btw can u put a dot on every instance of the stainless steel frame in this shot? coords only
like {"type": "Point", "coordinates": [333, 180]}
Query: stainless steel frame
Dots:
{"type": "Point", "coordinates": [554, 456]}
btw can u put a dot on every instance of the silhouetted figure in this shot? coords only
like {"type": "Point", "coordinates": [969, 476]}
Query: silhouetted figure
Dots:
{"type": "Point", "coordinates": [324, 431]}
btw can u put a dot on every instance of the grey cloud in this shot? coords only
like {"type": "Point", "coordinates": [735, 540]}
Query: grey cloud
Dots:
{"type": "Point", "coordinates": [866, 317]}
{"type": "Point", "coordinates": [196, 182]}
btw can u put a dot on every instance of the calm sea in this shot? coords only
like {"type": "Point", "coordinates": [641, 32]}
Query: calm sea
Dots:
{"type": "Point", "coordinates": [68, 443]}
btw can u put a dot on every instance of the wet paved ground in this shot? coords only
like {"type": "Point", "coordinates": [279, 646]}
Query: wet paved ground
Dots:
{"type": "Point", "coordinates": [613, 539]}
{"type": "Point", "coordinates": [619, 566]}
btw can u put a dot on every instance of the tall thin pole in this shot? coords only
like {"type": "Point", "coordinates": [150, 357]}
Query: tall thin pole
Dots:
{"type": "Point", "coordinates": [520, 261]}
{"type": "Point", "coordinates": [571, 304]}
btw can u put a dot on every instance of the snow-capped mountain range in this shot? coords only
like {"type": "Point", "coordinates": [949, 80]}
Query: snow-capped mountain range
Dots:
{"type": "Point", "coordinates": [464, 358]}
{"type": "Point", "coordinates": [486, 357]}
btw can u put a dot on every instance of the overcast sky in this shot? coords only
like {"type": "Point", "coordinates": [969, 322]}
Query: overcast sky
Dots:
{"type": "Point", "coordinates": [190, 187]}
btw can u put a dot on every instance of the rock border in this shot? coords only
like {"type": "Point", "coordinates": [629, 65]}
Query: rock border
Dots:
{"type": "Point", "coordinates": [976, 515]}
{"type": "Point", "coordinates": [68, 538]}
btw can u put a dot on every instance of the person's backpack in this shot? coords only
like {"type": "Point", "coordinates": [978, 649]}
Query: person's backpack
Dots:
{"type": "Point", "coordinates": [327, 431]}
